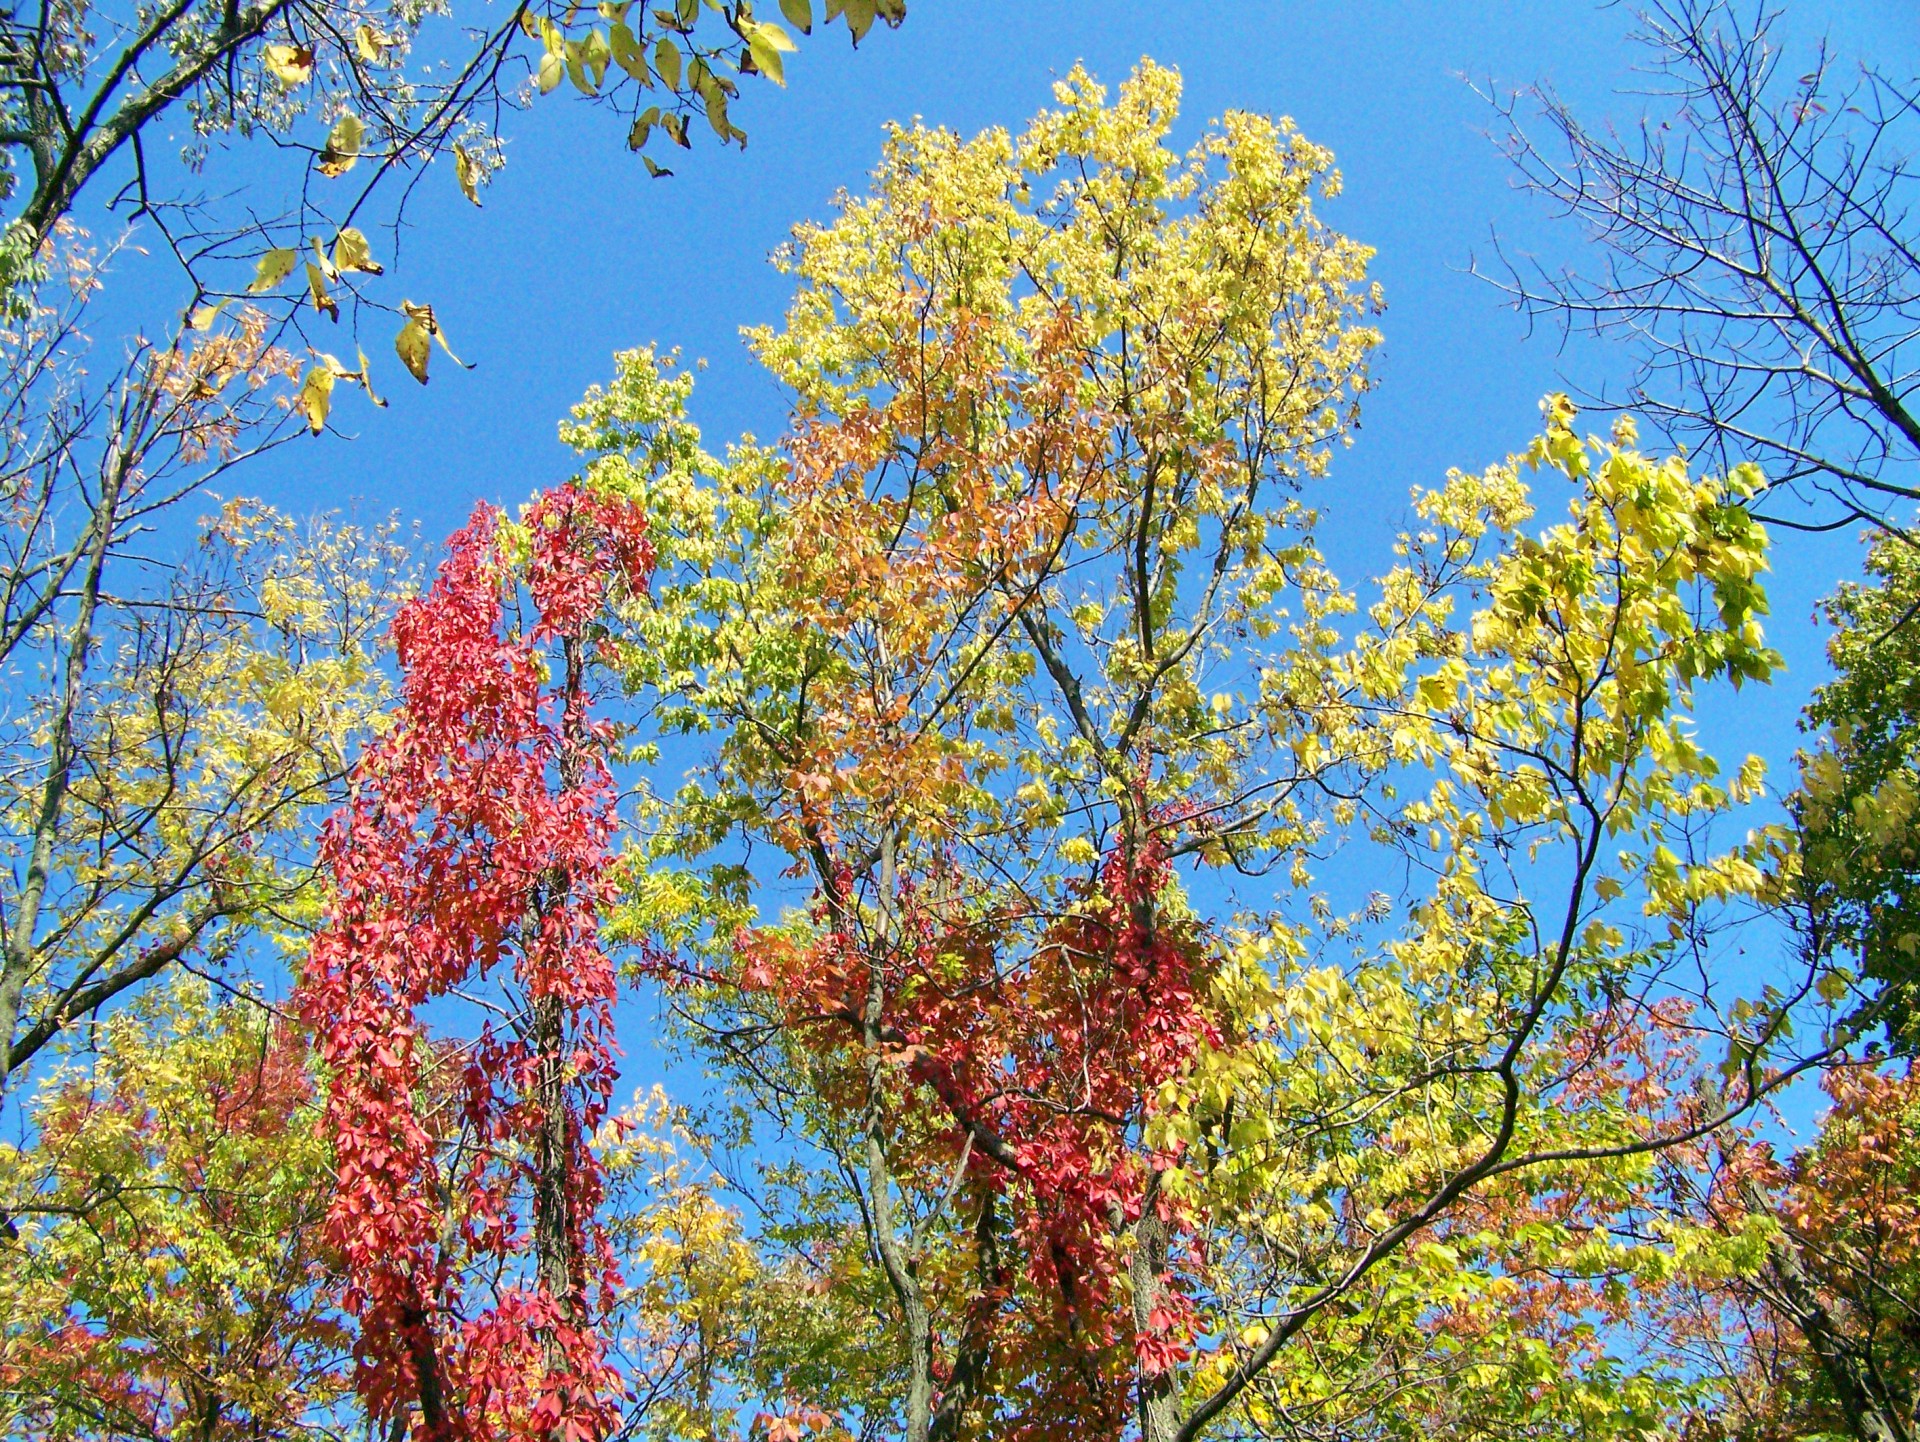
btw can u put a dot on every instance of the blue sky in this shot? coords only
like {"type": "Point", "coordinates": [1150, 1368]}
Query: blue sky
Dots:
{"type": "Point", "coordinates": [577, 253]}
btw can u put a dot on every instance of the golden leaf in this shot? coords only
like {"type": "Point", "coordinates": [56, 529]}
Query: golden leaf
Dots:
{"type": "Point", "coordinates": [351, 252]}
{"type": "Point", "coordinates": [342, 147]}
{"type": "Point", "coordinates": [275, 266]}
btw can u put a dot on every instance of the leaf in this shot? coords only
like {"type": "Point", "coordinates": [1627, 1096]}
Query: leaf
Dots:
{"type": "Point", "coordinates": [596, 54]}
{"type": "Point", "coordinates": [343, 146]}
{"type": "Point", "coordinates": [413, 345]}
{"type": "Point", "coordinates": [654, 168]}
{"type": "Point", "coordinates": [627, 53]}
{"type": "Point", "coordinates": [799, 14]}
{"type": "Point", "coordinates": [859, 15]}
{"type": "Point", "coordinates": [766, 42]}
{"type": "Point", "coordinates": [371, 44]}
{"type": "Point", "coordinates": [291, 65]}
{"type": "Point", "coordinates": [553, 69]}
{"type": "Point", "coordinates": [275, 266]}
{"type": "Point", "coordinates": [317, 284]}
{"type": "Point", "coordinates": [666, 61]}
{"type": "Point", "coordinates": [366, 381]}
{"type": "Point", "coordinates": [642, 128]}
{"type": "Point", "coordinates": [577, 68]}
{"type": "Point", "coordinates": [468, 171]}
{"type": "Point", "coordinates": [413, 341]}
{"type": "Point", "coordinates": [715, 100]}
{"type": "Point", "coordinates": [204, 316]}
{"type": "Point", "coordinates": [676, 126]}
{"type": "Point", "coordinates": [351, 252]}
{"type": "Point", "coordinates": [316, 397]}
{"type": "Point", "coordinates": [321, 259]}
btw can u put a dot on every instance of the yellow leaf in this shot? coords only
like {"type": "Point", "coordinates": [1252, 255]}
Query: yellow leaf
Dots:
{"type": "Point", "coordinates": [317, 285]}
{"type": "Point", "coordinates": [291, 65]}
{"type": "Point", "coordinates": [577, 68]}
{"type": "Point", "coordinates": [366, 381]}
{"type": "Point", "coordinates": [468, 171]}
{"type": "Point", "coordinates": [424, 315]}
{"type": "Point", "coordinates": [351, 252]}
{"type": "Point", "coordinates": [766, 55]}
{"type": "Point", "coordinates": [666, 61]}
{"type": "Point", "coordinates": [316, 397]}
{"type": "Point", "coordinates": [205, 315]}
{"type": "Point", "coordinates": [321, 259]}
{"type": "Point", "coordinates": [552, 70]}
{"type": "Point", "coordinates": [342, 147]}
{"type": "Point", "coordinates": [275, 266]}
{"type": "Point", "coordinates": [371, 44]}
{"type": "Point", "coordinates": [413, 345]}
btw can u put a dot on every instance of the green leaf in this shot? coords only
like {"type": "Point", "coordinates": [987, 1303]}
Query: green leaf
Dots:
{"type": "Point", "coordinates": [666, 61]}
{"type": "Point", "coordinates": [799, 14]}
{"type": "Point", "coordinates": [654, 168]}
{"type": "Point", "coordinates": [627, 53]}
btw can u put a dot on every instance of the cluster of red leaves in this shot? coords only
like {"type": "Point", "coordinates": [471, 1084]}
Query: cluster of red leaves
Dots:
{"type": "Point", "coordinates": [1041, 1071]}
{"type": "Point", "coordinates": [475, 846]}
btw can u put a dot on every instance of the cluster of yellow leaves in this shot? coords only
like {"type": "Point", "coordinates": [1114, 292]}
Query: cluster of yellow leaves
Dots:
{"type": "Point", "coordinates": [166, 1269]}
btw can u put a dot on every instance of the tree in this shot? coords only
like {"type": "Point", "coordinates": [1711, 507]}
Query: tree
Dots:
{"type": "Point", "coordinates": [1858, 801]}
{"type": "Point", "coordinates": [470, 864]}
{"type": "Point", "coordinates": [158, 789]}
{"type": "Point", "coordinates": [1755, 253]}
{"type": "Point", "coordinates": [101, 454]}
{"type": "Point", "coordinates": [1023, 656]}
{"type": "Point", "coordinates": [168, 1277]}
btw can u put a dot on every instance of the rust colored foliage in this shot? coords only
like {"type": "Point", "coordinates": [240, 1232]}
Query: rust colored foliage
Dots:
{"type": "Point", "coordinates": [1043, 1068]}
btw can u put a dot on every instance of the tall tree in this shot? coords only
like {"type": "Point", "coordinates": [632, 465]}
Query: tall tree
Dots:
{"type": "Point", "coordinates": [470, 865]}
{"type": "Point", "coordinates": [1023, 655]}
{"type": "Point", "coordinates": [104, 451]}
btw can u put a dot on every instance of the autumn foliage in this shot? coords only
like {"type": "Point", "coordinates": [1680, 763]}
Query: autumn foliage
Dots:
{"type": "Point", "coordinates": [475, 851]}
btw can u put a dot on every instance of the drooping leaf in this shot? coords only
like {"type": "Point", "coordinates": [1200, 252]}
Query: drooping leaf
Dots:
{"type": "Point", "coordinates": [627, 53]}
{"type": "Point", "coordinates": [316, 397]}
{"type": "Point", "coordinates": [468, 170]}
{"type": "Point", "coordinates": [415, 337]}
{"type": "Point", "coordinates": [317, 288]}
{"type": "Point", "coordinates": [413, 345]}
{"type": "Point", "coordinates": [766, 42]}
{"type": "Point", "coordinates": [553, 69]}
{"type": "Point", "coordinates": [666, 62]}
{"type": "Point", "coordinates": [799, 14]}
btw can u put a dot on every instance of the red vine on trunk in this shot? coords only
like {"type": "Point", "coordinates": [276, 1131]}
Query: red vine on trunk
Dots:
{"type": "Point", "coordinates": [473, 853]}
